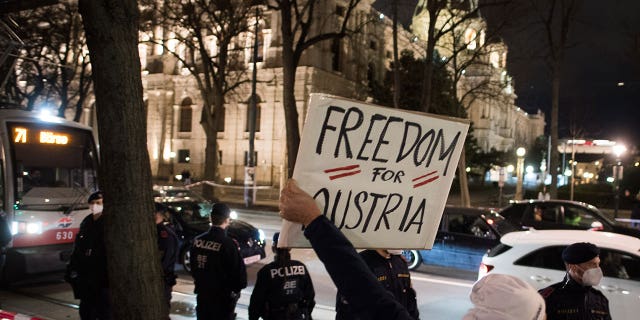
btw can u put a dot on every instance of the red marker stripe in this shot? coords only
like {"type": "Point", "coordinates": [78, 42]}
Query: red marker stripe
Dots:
{"type": "Point", "coordinates": [420, 177]}
{"type": "Point", "coordinates": [425, 182]}
{"type": "Point", "coordinates": [337, 176]}
{"type": "Point", "coordinates": [342, 168]}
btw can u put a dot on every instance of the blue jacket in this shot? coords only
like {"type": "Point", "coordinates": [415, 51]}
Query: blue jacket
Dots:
{"type": "Point", "coordinates": [350, 274]}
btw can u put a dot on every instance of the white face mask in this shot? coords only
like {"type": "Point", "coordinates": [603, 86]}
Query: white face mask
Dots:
{"type": "Point", "coordinates": [95, 208]}
{"type": "Point", "coordinates": [395, 252]}
{"type": "Point", "coordinates": [592, 277]}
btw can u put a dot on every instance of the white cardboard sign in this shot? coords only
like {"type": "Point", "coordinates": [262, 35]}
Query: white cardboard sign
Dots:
{"type": "Point", "coordinates": [381, 175]}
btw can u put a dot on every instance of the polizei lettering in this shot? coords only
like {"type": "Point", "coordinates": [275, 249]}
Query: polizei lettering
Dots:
{"type": "Point", "coordinates": [207, 245]}
{"type": "Point", "coordinates": [287, 271]}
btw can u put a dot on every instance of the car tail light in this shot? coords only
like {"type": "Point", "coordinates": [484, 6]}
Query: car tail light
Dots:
{"type": "Point", "coordinates": [484, 269]}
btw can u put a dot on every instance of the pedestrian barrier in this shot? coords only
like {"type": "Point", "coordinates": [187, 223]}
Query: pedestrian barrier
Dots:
{"type": "Point", "coordinates": [6, 315]}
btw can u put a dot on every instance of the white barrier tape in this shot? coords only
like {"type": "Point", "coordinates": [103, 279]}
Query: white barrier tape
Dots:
{"type": "Point", "coordinates": [211, 183]}
{"type": "Point", "coordinates": [6, 315]}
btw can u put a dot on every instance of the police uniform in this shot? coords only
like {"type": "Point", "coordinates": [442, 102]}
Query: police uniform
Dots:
{"type": "Point", "coordinates": [168, 246]}
{"type": "Point", "coordinates": [87, 268]}
{"type": "Point", "coordinates": [283, 290]}
{"type": "Point", "coordinates": [394, 276]}
{"type": "Point", "coordinates": [354, 280]}
{"type": "Point", "coordinates": [218, 271]}
{"type": "Point", "coordinates": [570, 300]}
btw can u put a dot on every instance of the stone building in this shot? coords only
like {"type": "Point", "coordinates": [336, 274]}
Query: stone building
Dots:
{"type": "Point", "coordinates": [478, 65]}
{"type": "Point", "coordinates": [176, 140]}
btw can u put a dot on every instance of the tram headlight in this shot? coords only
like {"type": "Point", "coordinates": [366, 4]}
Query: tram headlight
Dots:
{"type": "Point", "coordinates": [26, 227]}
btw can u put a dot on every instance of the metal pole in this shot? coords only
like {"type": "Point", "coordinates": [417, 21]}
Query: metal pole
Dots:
{"type": "Point", "coordinates": [616, 187]}
{"type": "Point", "coordinates": [250, 178]}
{"type": "Point", "coordinates": [573, 167]}
{"type": "Point", "coordinates": [519, 173]}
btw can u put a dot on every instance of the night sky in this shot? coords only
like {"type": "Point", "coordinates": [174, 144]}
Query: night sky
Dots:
{"type": "Point", "coordinates": [605, 50]}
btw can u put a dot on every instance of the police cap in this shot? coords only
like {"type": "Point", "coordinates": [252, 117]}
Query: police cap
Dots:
{"type": "Point", "coordinates": [220, 210]}
{"type": "Point", "coordinates": [580, 252]}
{"type": "Point", "coordinates": [95, 196]}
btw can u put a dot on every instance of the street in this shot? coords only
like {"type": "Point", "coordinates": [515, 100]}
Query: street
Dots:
{"type": "Point", "coordinates": [440, 297]}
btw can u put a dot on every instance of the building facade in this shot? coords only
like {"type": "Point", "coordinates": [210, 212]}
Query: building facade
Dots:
{"type": "Point", "coordinates": [344, 67]}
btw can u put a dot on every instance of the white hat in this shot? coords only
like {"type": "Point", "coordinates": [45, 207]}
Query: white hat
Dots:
{"type": "Point", "coordinates": [504, 297]}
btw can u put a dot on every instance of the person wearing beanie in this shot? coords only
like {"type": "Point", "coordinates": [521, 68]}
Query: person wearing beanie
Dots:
{"type": "Point", "coordinates": [217, 268]}
{"type": "Point", "coordinates": [87, 267]}
{"type": "Point", "coordinates": [574, 297]}
{"type": "Point", "coordinates": [505, 297]}
{"type": "Point", "coordinates": [283, 288]}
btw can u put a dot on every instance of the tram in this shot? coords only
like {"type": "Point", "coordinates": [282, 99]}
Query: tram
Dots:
{"type": "Point", "coordinates": [48, 167]}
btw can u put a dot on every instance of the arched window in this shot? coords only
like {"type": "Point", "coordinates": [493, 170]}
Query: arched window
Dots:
{"type": "Point", "coordinates": [186, 115]}
{"type": "Point", "coordinates": [470, 36]}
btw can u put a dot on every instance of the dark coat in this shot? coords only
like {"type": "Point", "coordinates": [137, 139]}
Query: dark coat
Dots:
{"type": "Point", "coordinates": [569, 300]}
{"type": "Point", "coordinates": [282, 291]}
{"type": "Point", "coordinates": [216, 264]}
{"type": "Point", "coordinates": [168, 245]}
{"type": "Point", "coordinates": [87, 268]}
{"type": "Point", "coordinates": [394, 276]}
{"type": "Point", "coordinates": [354, 280]}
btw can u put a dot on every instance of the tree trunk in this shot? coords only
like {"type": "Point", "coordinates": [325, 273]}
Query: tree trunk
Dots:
{"type": "Point", "coordinates": [125, 176]}
{"type": "Point", "coordinates": [555, 106]}
{"type": "Point", "coordinates": [210, 123]}
{"type": "Point", "coordinates": [396, 60]}
{"type": "Point", "coordinates": [465, 197]}
{"type": "Point", "coordinates": [289, 66]}
{"type": "Point", "coordinates": [425, 100]}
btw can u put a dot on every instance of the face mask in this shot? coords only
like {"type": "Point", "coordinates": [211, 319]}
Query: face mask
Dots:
{"type": "Point", "coordinates": [592, 277]}
{"type": "Point", "coordinates": [95, 208]}
{"type": "Point", "coordinates": [395, 252]}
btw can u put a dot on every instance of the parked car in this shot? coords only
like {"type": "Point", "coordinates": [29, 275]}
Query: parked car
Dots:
{"type": "Point", "coordinates": [189, 214]}
{"type": "Point", "coordinates": [536, 257]}
{"type": "Point", "coordinates": [464, 235]}
{"type": "Point", "coordinates": [561, 214]}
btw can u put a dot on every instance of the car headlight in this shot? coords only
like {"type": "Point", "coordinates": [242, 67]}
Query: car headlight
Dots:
{"type": "Point", "coordinates": [261, 235]}
{"type": "Point", "coordinates": [233, 215]}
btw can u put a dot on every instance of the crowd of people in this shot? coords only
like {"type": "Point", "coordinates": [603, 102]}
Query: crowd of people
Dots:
{"type": "Point", "coordinates": [372, 284]}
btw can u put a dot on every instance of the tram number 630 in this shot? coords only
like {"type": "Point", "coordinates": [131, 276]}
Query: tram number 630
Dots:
{"type": "Point", "coordinates": [64, 235]}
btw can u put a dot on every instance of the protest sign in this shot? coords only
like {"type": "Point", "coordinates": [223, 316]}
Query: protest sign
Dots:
{"type": "Point", "coordinates": [381, 175]}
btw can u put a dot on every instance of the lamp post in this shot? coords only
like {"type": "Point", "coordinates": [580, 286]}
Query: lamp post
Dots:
{"type": "Point", "coordinates": [520, 152]}
{"type": "Point", "coordinates": [618, 150]}
{"type": "Point", "coordinates": [250, 169]}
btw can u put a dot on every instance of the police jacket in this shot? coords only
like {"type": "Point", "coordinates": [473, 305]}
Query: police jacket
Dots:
{"type": "Point", "coordinates": [569, 300]}
{"type": "Point", "coordinates": [394, 276]}
{"type": "Point", "coordinates": [216, 265]}
{"type": "Point", "coordinates": [87, 268]}
{"type": "Point", "coordinates": [168, 245]}
{"type": "Point", "coordinates": [354, 280]}
{"type": "Point", "coordinates": [282, 291]}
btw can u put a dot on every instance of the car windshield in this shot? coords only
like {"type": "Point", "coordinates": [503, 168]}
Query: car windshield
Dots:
{"type": "Point", "coordinates": [499, 223]}
{"type": "Point", "coordinates": [189, 206]}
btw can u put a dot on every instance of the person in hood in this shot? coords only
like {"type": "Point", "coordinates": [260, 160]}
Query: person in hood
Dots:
{"type": "Point", "coordinates": [87, 268]}
{"type": "Point", "coordinates": [574, 297]}
{"type": "Point", "coordinates": [504, 297]}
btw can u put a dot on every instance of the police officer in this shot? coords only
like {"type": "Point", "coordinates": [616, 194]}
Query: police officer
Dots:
{"type": "Point", "coordinates": [392, 272]}
{"type": "Point", "coordinates": [87, 268]}
{"type": "Point", "coordinates": [217, 268]}
{"type": "Point", "coordinates": [168, 246]}
{"type": "Point", "coordinates": [574, 297]}
{"type": "Point", "coordinates": [283, 289]}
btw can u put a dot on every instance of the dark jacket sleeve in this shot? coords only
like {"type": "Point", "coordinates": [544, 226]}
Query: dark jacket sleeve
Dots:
{"type": "Point", "coordinates": [259, 295]}
{"type": "Point", "coordinates": [238, 271]}
{"type": "Point", "coordinates": [351, 275]}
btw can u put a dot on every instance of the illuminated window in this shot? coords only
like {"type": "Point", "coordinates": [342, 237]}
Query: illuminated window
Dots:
{"type": "Point", "coordinates": [470, 38]}
{"type": "Point", "coordinates": [184, 156]}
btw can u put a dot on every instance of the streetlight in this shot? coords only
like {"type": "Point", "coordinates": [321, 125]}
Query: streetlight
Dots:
{"type": "Point", "coordinates": [618, 150]}
{"type": "Point", "coordinates": [520, 152]}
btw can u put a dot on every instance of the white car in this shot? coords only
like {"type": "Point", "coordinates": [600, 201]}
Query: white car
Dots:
{"type": "Point", "coordinates": [536, 257]}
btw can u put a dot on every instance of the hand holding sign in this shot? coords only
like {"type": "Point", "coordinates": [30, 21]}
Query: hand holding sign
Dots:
{"type": "Point", "coordinates": [381, 175]}
{"type": "Point", "coordinates": [297, 205]}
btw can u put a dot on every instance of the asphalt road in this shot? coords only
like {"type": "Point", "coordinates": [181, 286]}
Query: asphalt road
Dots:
{"type": "Point", "coordinates": [442, 294]}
